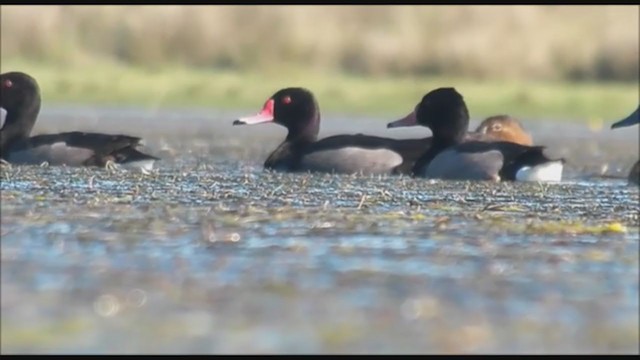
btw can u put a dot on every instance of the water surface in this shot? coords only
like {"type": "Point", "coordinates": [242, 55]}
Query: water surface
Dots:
{"type": "Point", "coordinates": [212, 254]}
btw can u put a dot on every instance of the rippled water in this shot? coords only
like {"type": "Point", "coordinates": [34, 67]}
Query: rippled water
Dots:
{"type": "Point", "coordinates": [211, 254]}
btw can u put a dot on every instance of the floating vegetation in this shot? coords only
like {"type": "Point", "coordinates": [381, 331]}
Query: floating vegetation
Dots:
{"type": "Point", "coordinates": [209, 253]}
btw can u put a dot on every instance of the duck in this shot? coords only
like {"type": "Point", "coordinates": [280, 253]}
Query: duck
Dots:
{"type": "Point", "coordinates": [632, 119]}
{"type": "Point", "coordinates": [454, 155]}
{"type": "Point", "coordinates": [493, 128]}
{"type": "Point", "coordinates": [21, 100]}
{"type": "Point", "coordinates": [505, 128]}
{"type": "Point", "coordinates": [297, 109]}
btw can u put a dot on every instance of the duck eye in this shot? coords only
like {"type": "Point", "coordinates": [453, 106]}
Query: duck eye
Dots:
{"type": "Point", "coordinates": [496, 127]}
{"type": "Point", "coordinates": [7, 83]}
{"type": "Point", "coordinates": [286, 100]}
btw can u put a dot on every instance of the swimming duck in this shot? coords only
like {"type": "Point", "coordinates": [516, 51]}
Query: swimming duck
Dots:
{"type": "Point", "coordinates": [20, 98]}
{"type": "Point", "coordinates": [634, 118]}
{"type": "Point", "coordinates": [505, 128]}
{"type": "Point", "coordinates": [453, 155]}
{"type": "Point", "coordinates": [493, 128]}
{"type": "Point", "coordinates": [297, 109]}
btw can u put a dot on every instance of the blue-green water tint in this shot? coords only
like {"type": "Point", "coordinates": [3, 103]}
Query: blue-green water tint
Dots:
{"type": "Point", "coordinates": [211, 254]}
{"type": "Point", "coordinates": [311, 266]}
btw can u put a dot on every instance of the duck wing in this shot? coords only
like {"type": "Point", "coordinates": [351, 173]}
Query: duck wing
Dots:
{"type": "Point", "coordinates": [77, 149]}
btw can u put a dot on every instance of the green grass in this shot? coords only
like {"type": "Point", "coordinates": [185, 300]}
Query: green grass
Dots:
{"type": "Point", "coordinates": [102, 83]}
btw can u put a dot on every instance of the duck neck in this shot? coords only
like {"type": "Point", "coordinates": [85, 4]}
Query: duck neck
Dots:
{"type": "Point", "coordinates": [443, 138]}
{"type": "Point", "coordinates": [19, 123]}
{"type": "Point", "coordinates": [436, 147]}
{"type": "Point", "coordinates": [306, 132]}
{"type": "Point", "coordinates": [452, 132]}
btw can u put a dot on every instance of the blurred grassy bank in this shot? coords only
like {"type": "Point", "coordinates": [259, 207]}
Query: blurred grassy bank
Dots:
{"type": "Point", "coordinates": [574, 62]}
{"type": "Point", "coordinates": [112, 83]}
{"type": "Point", "coordinates": [491, 42]}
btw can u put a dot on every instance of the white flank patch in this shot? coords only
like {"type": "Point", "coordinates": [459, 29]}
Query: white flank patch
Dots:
{"type": "Point", "coordinates": [547, 172]}
{"type": "Point", "coordinates": [144, 165]}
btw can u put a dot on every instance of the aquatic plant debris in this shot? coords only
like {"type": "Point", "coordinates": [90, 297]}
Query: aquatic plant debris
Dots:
{"type": "Point", "coordinates": [211, 254]}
